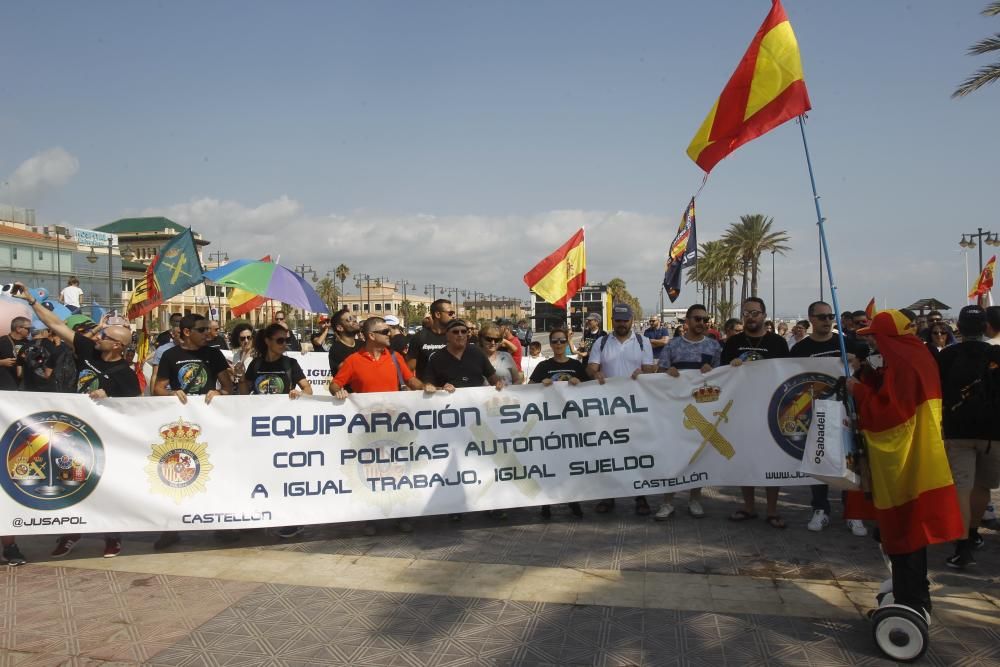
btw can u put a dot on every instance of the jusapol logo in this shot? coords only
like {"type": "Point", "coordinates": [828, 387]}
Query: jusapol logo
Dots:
{"type": "Point", "coordinates": [790, 411]}
{"type": "Point", "coordinates": [53, 460]}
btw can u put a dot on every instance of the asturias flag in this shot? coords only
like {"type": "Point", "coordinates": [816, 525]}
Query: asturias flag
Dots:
{"type": "Point", "coordinates": [242, 302]}
{"type": "Point", "coordinates": [681, 254]}
{"type": "Point", "coordinates": [913, 495]}
{"type": "Point", "coordinates": [766, 89]}
{"type": "Point", "coordinates": [558, 277]}
{"type": "Point", "coordinates": [985, 283]}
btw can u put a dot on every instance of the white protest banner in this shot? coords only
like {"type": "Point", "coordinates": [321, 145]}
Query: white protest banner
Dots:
{"type": "Point", "coordinates": [151, 463]}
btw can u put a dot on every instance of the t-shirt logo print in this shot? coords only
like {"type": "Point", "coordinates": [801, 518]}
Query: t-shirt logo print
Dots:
{"type": "Point", "coordinates": [270, 383]}
{"type": "Point", "coordinates": [87, 381]}
{"type": "Point", "coordinates": [192, 376]}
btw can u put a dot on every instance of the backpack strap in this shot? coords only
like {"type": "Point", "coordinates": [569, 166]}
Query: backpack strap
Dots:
{"type": "Point", "coordinates": [399, 371]}
{"type": "Point", "coordinates": [638, 338]}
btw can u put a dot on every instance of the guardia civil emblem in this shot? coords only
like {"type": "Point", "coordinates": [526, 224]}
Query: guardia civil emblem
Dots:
{"type": "Point", "coordinates": [694, 420]}
{"type": "Point", "coordinates": [53, 460]}
{"type": "Point", "coordinates": [790, 411]}
{"type": "Point", "coordinates": [178, 467]}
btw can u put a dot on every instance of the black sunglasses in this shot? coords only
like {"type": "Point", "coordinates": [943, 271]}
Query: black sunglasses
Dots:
{"type": "Point", "coordinates": [280, 341]}
{"type": "Point", "coordinates": [246, 337]}
{"type": "Point", "coordinates": [460, 332]}
{"type": "Point", "coordinates": [384, 332]}
{"type": "Point", "coordinates": [557, 341]}
{"type": "Point", "coordinates": [491, 339]}
{"type": "Point", "coordinates": [200, 329]}
{"type": "Point", "coordinates": [829, 317]}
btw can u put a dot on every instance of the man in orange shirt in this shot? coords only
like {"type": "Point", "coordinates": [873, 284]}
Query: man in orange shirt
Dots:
{"type": "Point", "coordinates": [374, 368]}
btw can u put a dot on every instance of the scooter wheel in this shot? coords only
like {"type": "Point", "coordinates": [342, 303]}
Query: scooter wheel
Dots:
{"type": "Point", "coordinates": [900, 633]}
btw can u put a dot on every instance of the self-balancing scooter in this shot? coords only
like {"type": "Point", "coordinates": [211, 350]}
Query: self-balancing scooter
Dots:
{"type": "Point", "coordinates": [900, 632]}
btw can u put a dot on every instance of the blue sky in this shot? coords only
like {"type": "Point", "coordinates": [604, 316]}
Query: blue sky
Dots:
{"type": "Point", "coordinates": [458, 143]}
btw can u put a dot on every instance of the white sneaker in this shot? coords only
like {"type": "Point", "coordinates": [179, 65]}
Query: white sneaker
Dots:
{"type": "Point", "coordinates": [857, 527]}
{"type": "Point", "coordinates": [665, 512]}
{"type": "Point", "coordinates": [819, 521]}
{"type": "Point", "coordinates": [695, 509]}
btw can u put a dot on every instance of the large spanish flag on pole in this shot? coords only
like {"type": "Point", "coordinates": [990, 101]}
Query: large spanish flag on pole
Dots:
{"type": "Point", "coordinates": [981, 290]}
{"type": "Point", "coordinates": [766, 89]}
{"type": "Point", "coordinates": [560, 275]}
{"type": "Point", "coordinates": [913, 496]}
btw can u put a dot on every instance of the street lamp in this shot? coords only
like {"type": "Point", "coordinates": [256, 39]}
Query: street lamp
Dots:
{"type": "Point", "coordinates": [431, 291]}
{"type": "Point", "coordinates": [774, 289]}
{"type": "Point", "coordinates": [991, 240]}
{"type": "Point", "coordinates": [302, 270]}
{"type": "Point", "coordinates": [218, 257]}
{"type": "Point", "coordinates": [404, 310]}
{"type": "Point", "coordinates": [367, 298]}
{"type": "Point", "coordinates": [126, 255]}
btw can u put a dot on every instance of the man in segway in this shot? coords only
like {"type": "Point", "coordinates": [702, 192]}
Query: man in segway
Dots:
{"type": "Point", "coordinates": [912, 495]}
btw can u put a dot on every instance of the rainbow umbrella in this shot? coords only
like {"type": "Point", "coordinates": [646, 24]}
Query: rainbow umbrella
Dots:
{"type": "Point", "coordinates": [271, 280]}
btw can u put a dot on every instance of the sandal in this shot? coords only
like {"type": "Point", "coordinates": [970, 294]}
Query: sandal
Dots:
{"type": "Point", "coordinates": [775, 521]}
{"type": "Point", "coordinates": [742, 515]}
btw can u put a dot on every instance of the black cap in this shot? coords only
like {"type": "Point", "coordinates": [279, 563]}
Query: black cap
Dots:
{"type": "Point", "coordinates": [972, 321]}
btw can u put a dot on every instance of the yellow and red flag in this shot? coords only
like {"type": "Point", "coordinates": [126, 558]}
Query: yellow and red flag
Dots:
{"type": "Point", "coordinates": [242, 302]}
{"type": "Point", "coordinates": [870, 310]}
{"type": "Point", "coordinates": [913, 497]}
{"type": "Point", "coordinates": [983, 286]}
{"type": "Point", "coordinates": [558, 277]}
{"type": "Point", "coordinates": [766, 89]}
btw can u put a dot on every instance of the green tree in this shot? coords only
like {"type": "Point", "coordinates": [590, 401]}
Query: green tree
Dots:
{"type": "Point", "coordinates": [620, 294]}
{"type": "Point", "coordinates": [342, 272]}
{"type": "Point", "coordinates": [987, 73]}
{"type": "Point", "coordinates": [327, 291]}
{"type": "Point", "coordinates": [748, 239]}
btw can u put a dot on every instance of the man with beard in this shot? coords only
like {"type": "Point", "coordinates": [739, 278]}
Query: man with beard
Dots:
{"type": "Point", "coordinates": [591, 331]}
{"type": "Point", "coordinates": [345, 339]}
{"type": "Point", "coordinates": [752, 344]}
{"type": "Point", "coordinates": [429, 340]}
{"type": "Point", "coordinates": [692, 351]}
{"type": "Point", "coordinates": [11, 347]}
{"type": "Point", "coordinates": [822, 342]}
{"type": "Point", "coordinates": [192, 367]}
{"type": "Point", "coordinates": [621, 354]}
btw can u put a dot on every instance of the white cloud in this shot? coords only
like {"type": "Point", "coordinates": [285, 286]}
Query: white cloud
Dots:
{"type": "Point", "coordinates": [37, 176]}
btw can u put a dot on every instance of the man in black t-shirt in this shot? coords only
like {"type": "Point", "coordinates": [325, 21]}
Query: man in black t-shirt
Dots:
{"type": "Point", "coordinates": [753, 344]}
{"type": "Point", "coordinates": [164, 336]}
{"type": "Point", "coordinates": [459, 364]}
{"type": "Point", "coordinates": [345, 339]}
{"type": "Point", "coordinates": [192, 367]}
{"type": "Point", "coordinates": [428, 341]}
{"type": "Point", "coordinates": [11, 347]}
{"type": "Point", "coordinates": [592, 331]}
{"type": "Point", "coordinates": [40, 357]}
{"type": "Point", "coordinates": [293, 342]}
{"type": "Point", "coordinates": [822, 342]}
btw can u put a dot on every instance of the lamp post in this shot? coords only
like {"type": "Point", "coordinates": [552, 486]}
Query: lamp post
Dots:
{"type": "Point", "coordinates": [431, 291]}
{"type": "Point", "coordinates": [92, 258]}
{"type": "Point", "coordinates": [991, 240]}
{"type": "Point", "coordinates": [302, 270]}
{"type": "Point", "coordinates": [358, 277]}
{"type": "Point", "coordinates": [404, 310]}
{"type": "Point", "coordinates": [774, 289]}
{"type": "Point", "coordinates": [218, 257]}
{"type": "Point", "coordinates": [475, 301]}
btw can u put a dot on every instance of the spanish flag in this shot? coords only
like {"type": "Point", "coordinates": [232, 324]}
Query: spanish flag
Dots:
{"type": "Point", "coordinates": [242, 302]}
{"type": "Point", "coordinates": [981, 289]}
{"type": "Point", "coordinates": [558, 277]}
{"type": "Point", "coordinates": [871, 310]}
{"type": "Point", "coordinates": [766, 89]}
{"type": "Point", "coordinates": [913, 497]}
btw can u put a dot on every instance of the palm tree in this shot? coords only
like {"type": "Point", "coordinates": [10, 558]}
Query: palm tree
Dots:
{"type": "Point", "coordinates": [987, 73]}
{"type": "Point", "coordinates": [749, 238]}
{"type": "Point", "coordinates": [342, 272]}
{"type": "Point", "coordinates": [327, 291]}
{"type": "Point", "coordinates": [716, 269]}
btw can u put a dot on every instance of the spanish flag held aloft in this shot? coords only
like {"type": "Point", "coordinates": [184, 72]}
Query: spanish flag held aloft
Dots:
{"type": "Point", "coordinates": [871, 310]}
{"type": "Point", "coordinates": [766, 89]}
{"type": "Point", "coordinates": [558, 277]}
{"type": "Point", "coordinates": [981, 290]}
{"type": "Point", "coordinates": [913, 497]}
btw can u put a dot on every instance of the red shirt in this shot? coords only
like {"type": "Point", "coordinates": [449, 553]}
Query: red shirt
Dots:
{"type": "Point", "coordinates": [366, 374]}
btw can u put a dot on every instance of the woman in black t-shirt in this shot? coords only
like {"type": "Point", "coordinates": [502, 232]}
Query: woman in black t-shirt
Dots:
{"type": "Point", "coordinates": [559, 368]}
{"type": "Point", "coordinates": [271, 371]}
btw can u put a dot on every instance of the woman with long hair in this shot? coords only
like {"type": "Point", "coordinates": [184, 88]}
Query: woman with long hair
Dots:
{"type": "Point", "coordinates": [241, 343]}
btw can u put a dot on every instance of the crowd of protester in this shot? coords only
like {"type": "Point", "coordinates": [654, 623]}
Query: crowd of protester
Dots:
{"type": "Point", "coordinates": [449, 354]}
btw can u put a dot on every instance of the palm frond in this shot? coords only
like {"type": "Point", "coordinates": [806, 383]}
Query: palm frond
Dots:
{"type": "Point", "coordinates": [983, 76]}
{"type": "Point", "coordinates": [988, 45]}
{"type": "Point", "coordinates": [992, 9]}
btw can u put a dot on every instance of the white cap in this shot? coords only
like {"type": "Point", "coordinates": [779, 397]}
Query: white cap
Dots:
{"type": "Point", "coordinates": [391, 320]}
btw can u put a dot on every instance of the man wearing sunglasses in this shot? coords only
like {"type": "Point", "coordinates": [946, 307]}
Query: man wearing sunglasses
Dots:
{"type": "Point", "coordinates": [658, 336]}
{"type": "Point", "coordinates": [293, 344]}
{"type": "Point", "coordinates": [752, 344]}
{"type": "Point", "coordinates": [374, 367]}
{"type": "Point", "coordinates": [345, 339]}
{"type": "Point", "coordinates": [10, 351]}
{"type": "Point", "coordinates": [427, 341]}
{"type": "Point", "coordinates": [459, 364]}
{"type": "Point", "coordinates": [192, 367]}
{"type": "Point", "coordinates": [692, 351]}
{"type": "Point", "coordinates": [822, 342]}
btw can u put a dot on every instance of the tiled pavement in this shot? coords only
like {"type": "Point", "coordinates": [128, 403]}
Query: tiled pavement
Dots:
{"type": "Point", "coordinates": [683, 592]}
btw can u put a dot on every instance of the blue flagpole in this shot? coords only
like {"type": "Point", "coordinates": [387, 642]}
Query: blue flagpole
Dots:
{"type": "Point", "coordinates": [826, 250]}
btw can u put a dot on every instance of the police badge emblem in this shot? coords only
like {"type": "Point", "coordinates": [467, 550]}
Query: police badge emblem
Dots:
{"type": "Point", "coordinates": [178, 467]}
{"type": "Point", "coordinates": [790, 411]}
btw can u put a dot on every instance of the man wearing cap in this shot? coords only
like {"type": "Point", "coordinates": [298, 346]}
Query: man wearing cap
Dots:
{"type": "Point", "coordinates": [102, 372]}
{"type": "Point", "coordinates": [970, 424]}
{"type": "Point", "coordinates": [913, 497]}
{"type": "Point", "coordinates": [621, 354]}
{"type": "Point", "coordinates": [591, 331]}
{"type": "Point", "coordinates": [319, 337]}
{"type": "Point", "coordinates": [459, 364]}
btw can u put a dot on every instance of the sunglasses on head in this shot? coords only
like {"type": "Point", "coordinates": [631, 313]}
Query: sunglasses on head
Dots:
{"type": "Point", "coordinates": [829, 317]}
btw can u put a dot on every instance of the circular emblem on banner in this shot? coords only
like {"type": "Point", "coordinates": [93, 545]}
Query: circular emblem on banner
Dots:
{"type": "Point", "coordinates": [179, 466]}
{"type": "Point", "coordinates": [790, 411]}
{"type": "Point", "coordinates": [52, 460]}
